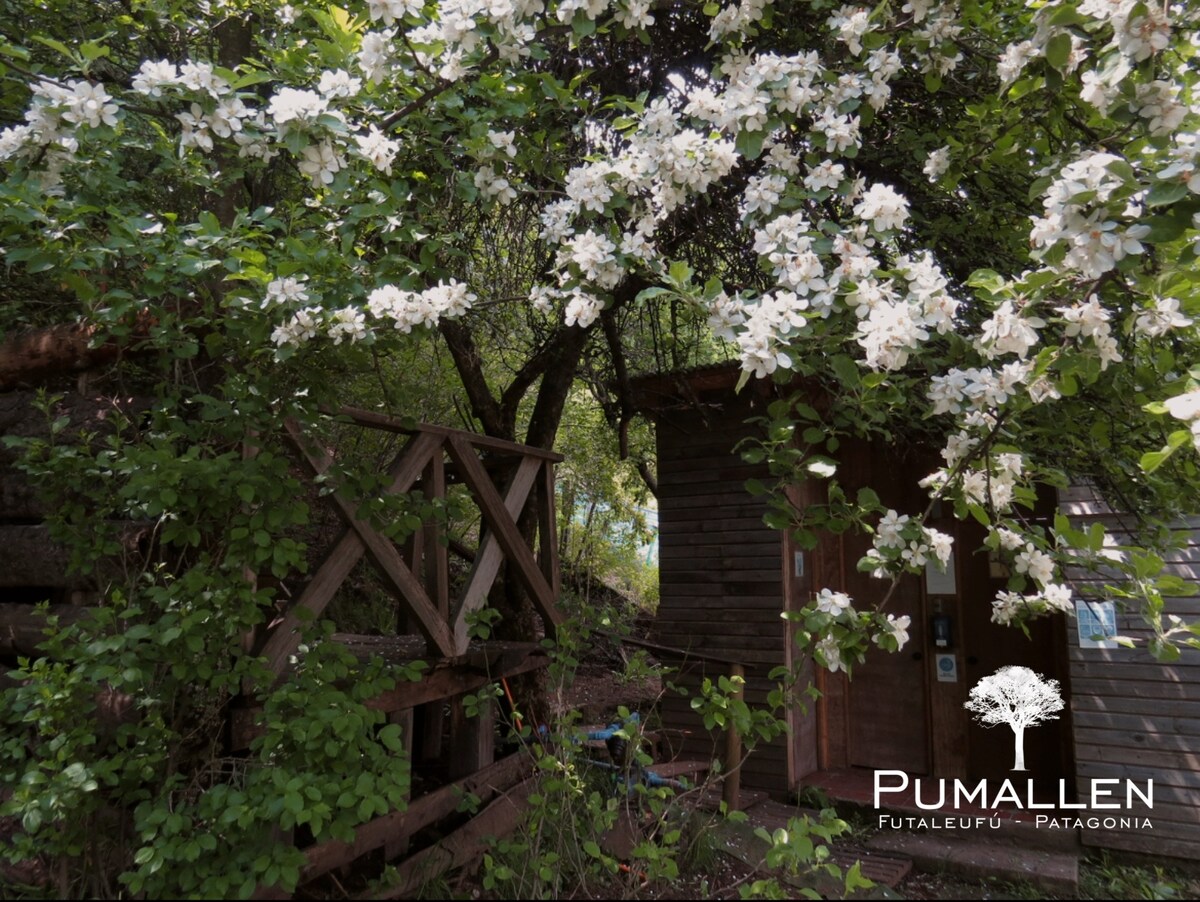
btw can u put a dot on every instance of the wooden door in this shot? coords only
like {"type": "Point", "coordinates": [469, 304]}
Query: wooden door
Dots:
{"type": "Point", "coordinates": [888, 706]}
{"type": "Point", "coordinates": [987, 647]}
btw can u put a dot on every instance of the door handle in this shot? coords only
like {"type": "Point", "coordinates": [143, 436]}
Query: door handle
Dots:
{"type": "Point", "coordinates": [918, 656]}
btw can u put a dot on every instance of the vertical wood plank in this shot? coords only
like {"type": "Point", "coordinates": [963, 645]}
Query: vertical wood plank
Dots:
{"type": "Point", "coordinates": [394, 848]}
{"type": "Point", "coordinates": [548, 531]}
{"type": "Point", "coordinates": [437, 560]}
{"type": "Point", "coordinates": [472, 739]}
{"type": "Point", "coordinates": [432, 723]}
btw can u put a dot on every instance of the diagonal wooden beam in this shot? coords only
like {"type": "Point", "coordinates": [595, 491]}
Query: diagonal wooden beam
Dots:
{"type": "Point", "coordinates": [388, 561]}
{"type": "Point", "coordinates": [501, 524]}
{"type": "Point", "coordinates": [490, 556]}
{"type": "Point", "coordinates": [344, 553]}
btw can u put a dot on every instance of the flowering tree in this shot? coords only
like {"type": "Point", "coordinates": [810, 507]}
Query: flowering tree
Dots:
{"type": "Point", "coordinates": [976, 222]}
{"type": "Point", "coordinates": [1018, 697]}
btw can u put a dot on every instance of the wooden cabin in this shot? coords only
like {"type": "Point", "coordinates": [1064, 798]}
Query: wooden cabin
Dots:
{"type": "Point", "coordinates": [726, 578]}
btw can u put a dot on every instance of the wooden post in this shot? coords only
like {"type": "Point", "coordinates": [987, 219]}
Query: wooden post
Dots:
{"type": "Point", "coordinates": [433, 717]}
{"type": "Point", "coordinates": [396, 847]}
{"type": "Point", "coordinates": [437, 562]}
{"type": "Point", "coordinates": [731, 788]}
{"type": "Point", "coordinates": [548, 530]}
{"type": "Point", "coordinates": [472, 739]}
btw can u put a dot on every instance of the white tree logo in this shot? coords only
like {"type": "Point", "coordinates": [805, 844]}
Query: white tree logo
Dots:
{"type": "Point", "coordinates": [1018, 697]}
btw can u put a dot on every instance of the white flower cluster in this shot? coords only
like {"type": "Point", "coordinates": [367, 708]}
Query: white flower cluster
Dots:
{"type": "Point", "coordinates": [736, 18]}
{"type": "Point", "coordinates": [1091, 321]}
{"type": "Point", "coordinates": [992, 486]}
{"type": "Point", "coordinates": [834, 603]}
{"type": "Point", "coordinates": [54, 115]}
{"type": "Point", "coordinates": [1183, 166]}
{"type": "Point", "coordinates": [408, 309]}
{"type": "Point", "coordinates": [839, 650]}
{"type": "Point", "coordinates": [1008, 331]}
{"type": "Point", "coordinates": [1077, 217]}
{"type": "Point", "coordinates": [937, 163]}
{"type": "Point", "coordinates": [894, 628]}
{"type": "Point", "coordinates": [499, 149]}
{"type": "Point", "coordinates": [903, 544]}
{"type": "Point", "coordinates": [1139, 30]}
{"type": "Point", "coordinates": [979, 392]}
{"type": "Point", "coordinates": [1012, 607]}
{"type": "Point", "coordinates": [404, 310]}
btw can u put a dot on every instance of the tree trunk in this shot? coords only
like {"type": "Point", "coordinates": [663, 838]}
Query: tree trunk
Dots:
{"type": "Point", "coordinates": [1019, 743]}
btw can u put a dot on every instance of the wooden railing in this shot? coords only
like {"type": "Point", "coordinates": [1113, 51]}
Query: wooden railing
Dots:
{"type": "Point", "coordinates": [433, 458]}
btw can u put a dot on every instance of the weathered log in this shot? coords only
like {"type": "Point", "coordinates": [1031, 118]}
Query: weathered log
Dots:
{"type": "Point", "coordinates": [23, 626]}
{"type": "Point", "coordinates": [19, 499]}
{"type": "Point", "coordinates": [30, 557]}
{"type": "Point", "coordinates": [32, 358]}
{"type": "Point", "coordinates": [98, 414]}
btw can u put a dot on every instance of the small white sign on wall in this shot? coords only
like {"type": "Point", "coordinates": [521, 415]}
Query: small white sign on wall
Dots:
{"type": "Point", "coordinates": [1097, 623]}
{"type": "Point", "coordinates": [938, 582]}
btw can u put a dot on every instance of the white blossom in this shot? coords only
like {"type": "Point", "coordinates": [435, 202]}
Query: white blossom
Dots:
{"type": "Point", "coordinates": [884, 207]}
{"type": "Point", "coordinates": [833, 603]}
{"type": "Point", "coordinates": [937, 163]}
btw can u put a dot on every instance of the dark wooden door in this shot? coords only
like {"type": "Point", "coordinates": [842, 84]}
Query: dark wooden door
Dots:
{"type": "Point", "coordinates": [888, 708]}
{"type": "Point", "coordinates": [987, 647]}
{"type": "Point", "coordinates": [888, 699]}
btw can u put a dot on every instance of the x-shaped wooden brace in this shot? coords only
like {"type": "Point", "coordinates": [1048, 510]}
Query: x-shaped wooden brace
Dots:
{"type": "Point", "coordinates": [357, 538]}
{"type": "Point", "coordinates": [504, 539]}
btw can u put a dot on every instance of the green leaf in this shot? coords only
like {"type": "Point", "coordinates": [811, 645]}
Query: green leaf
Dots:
{"type": "Point", "coordinates": [750, 144]}
{"type": "Point", "coordinates": [54, 45]}
{"type": "Point", "coordinates": [1152, 460]}
{"type": "Point", "coordinates": [582, 25]}
{"type": "Point", "coordinates": [1026, 86]}
{"type": "Point", "coordinates": [1067, 15]}
{"type": "Point", "coordinates": [846, 369]}
{"type": "Point", "coordinates": [1164, 193]}
{"type": "Point", "coordinates": [1166, 228]}
{"type": "Point", "coordinates": [1058, 50]}
{"type": "Point", "coordinates": [987, 279]}
{"type": "Point", "coordinates": [648, 293]}
{"type": "Point", "coordinates": [392, 737]}
{"type": "Point", "coordinates": [679, 273]}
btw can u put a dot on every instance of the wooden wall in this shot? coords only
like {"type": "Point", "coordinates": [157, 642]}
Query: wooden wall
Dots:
{"type": "Point", "coordinates": [1134, 717]}
{"type": "Point", "coordinates": [720, 572]}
